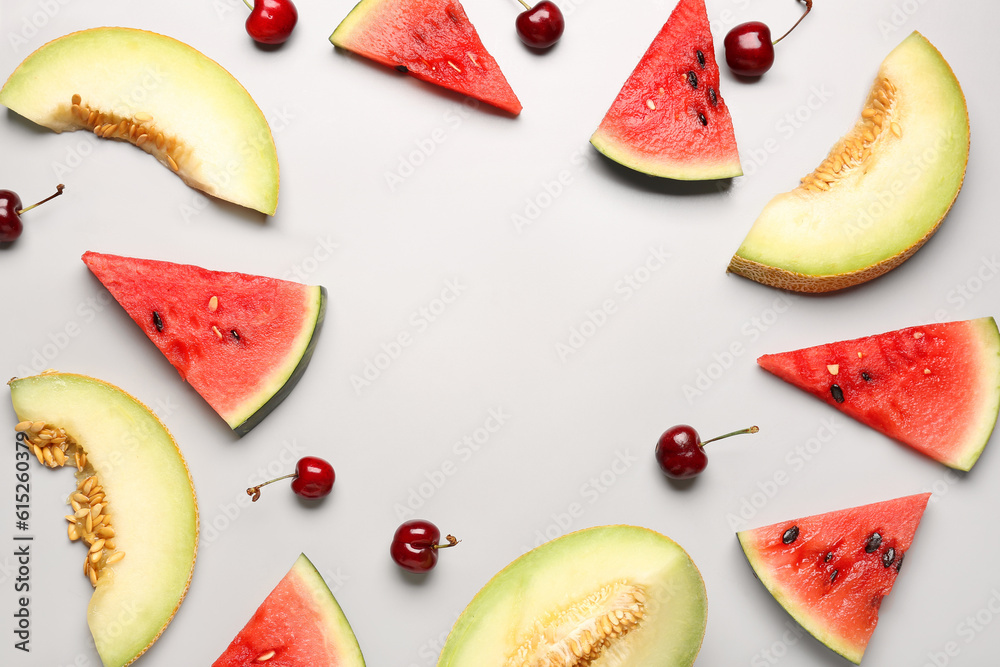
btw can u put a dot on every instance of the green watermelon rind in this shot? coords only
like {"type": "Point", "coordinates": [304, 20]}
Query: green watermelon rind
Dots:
{"type": "Point", "coordinates": [625, 155]}
{"type": "Point", "coordinates": [332, 616]}
{"type": "Point", "coordinates": [253, 411]}
{"type": "Point", "coordinates": [990, 342]}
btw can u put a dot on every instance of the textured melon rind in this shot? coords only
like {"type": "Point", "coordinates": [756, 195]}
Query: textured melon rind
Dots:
{"type": "Point", "coordinates": [545, 578]}
{"type": "Point", "coordinates": [189, 96]}
{"type": "Point", "coordinates": [38, 398]}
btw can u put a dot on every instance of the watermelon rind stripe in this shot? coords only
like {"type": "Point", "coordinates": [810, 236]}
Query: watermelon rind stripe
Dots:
{"type": "Point", "coordinates": [689, 170]}
{"type": "Point", "coordinates": [249, 414]}
{"type": "Point", "coordinates": [344, 640]}
{"type": "Point", "coordinates": [980, 434]}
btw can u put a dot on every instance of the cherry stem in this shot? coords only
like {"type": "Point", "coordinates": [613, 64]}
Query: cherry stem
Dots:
{"type": "Point", "coordinates": [752, 429]}
{"type": "Point", "coordinates": [247, 3]}
{"type": "Point", "coordinates": [526, 6]}
{"type": "Point", "coordinates": [254, 491]}
{"type": "Point", "coordinates": [59, 190]}
{"type": "Point", "coordinates": [809, 6]}
{"type": "Point", "coordinates": [452, 541]}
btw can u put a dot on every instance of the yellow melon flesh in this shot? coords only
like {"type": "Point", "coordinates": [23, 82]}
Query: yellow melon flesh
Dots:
{"type": "Point", "coordinates": [148, 499]}
{"type": "Point", "coordinates": [882, 191]}
{"type": "Point", "coordinates": [159, 94]}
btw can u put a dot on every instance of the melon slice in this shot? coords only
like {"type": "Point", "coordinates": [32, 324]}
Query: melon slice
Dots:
{"type": "Point", "coordinates": [882, 191]}
{"type": "Point", "coordinates": [128, 467]}
{"type": "Point", "coordinates": [934, 387]}
{"type": "Point", "coordinates": [241, 341]}
{"type": "Point", "coordinates": [669, 119]}
{"type": "Point", "coordinates": [610, 596]}
{"type": "Point", "coordinates": [831, 571]}
{"type": "Point", "coordinates": [299, 624]}
{"type": "Point", "coordinates": [432, 40]}
{"type": "Point", "coordinates": [159, 94]}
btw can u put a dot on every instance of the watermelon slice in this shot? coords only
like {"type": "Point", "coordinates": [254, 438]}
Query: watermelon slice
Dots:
{"type": "Point", "coordinates": [432, 40]}
{"type": "Point", "coordinates": [934, 387]}
{"type": "Point", "coordinates": [831, 571]}
{"type": "Point", "coordinates": [300, 624]}
{"type": "Point", "coordinates": [670, 119]}
{"type": "Point", "coordinates": [241, 341]}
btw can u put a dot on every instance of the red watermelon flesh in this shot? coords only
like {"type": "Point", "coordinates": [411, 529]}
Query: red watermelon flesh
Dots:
{"type": "Point", "coordinates": [243, 355]}
{"type": "Point", "coordinates": [830, 571]}
{"type": "Point", "coordinates": [670, 119]}
{"type": "Point", "coordinates": [934, 387]}
{"type": "Point", "coordinates": [299, 624]}
{"type": "Point", "coordinates": [432, 40]}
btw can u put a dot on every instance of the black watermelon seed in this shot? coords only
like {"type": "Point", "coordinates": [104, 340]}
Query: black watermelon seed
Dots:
{"type": "Point", "coordinates": [790, 535]}
{"type": "Point", "coordinates": [899, 562]}
{"type": "Point", "coordinates": [235, 335]}
{"type": "Point", "coordinates": [701, 58]}
{"type": "Point", "coordinates": [865, 376]}
{"type": "Point", "coordinates": [692, 79]}
{"type": "Point", "coordinates": [888, 557]}
{"type": "Point", "coordinates": [158, 321]}
{"type": "Point", "coordinates": [701, 117]}
{"type": "Point", "coordinates": [833, 577]}
{"type": "Point", "coordinates": [838, 393]}
{"type": "Point", "coordinates": [711, 96]}
{"type": "Point", "coordinates": [402, 68]}
{"type": "Point", "coordinates": [873, 543]}
{"type": "Point", "coordinates": [829, 557]}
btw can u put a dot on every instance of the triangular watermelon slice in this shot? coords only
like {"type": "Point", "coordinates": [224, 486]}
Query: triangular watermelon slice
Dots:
{"type": "Point", "coordinates": [241, 341]}
{"type": "Point", "coordinates": [830, 571]}
{"type": "Point", "coordinates": [300, 624]}
{"type": "Point", "coordinates": [934, 387]}
{"type": "Point", "coordinates": [432, 40]}
{"type": "Point", "coordinates": [670, 119]}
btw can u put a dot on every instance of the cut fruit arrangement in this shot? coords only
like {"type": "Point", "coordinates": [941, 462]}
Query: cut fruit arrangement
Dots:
{"type": "Point", "coordinates": [612, 595]}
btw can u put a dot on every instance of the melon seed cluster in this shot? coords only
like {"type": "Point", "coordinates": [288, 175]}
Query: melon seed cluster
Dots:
{"type": "Point", "coordinates": [138, 130]}
{"type": "Point", "coordinates": [90, 520]}
{"type": "Point", "coordinates": [855, 148]}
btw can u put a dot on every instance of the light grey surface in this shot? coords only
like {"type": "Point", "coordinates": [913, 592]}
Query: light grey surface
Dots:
{"type": "Point", "coordinates": [578, 432]}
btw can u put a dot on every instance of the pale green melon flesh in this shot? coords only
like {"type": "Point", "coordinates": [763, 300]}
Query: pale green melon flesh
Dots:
{"type": "Point", "coordinates": [213, 131]}
{"type": "Point", "coordinates": [543, 586]}
{"type": "Point", "coordinates": [891, 202]}
{"type": "Point", "coordinates": [150, 501]}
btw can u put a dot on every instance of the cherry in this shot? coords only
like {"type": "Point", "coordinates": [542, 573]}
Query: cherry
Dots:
{"type": "Point", "coordinates": [271, 21]}
{"type": "Point", "coordinates": [680, 452]}
{"type": "Point", "coordinates": [415, 545]}
{"type": "Point", "coordinates": [313, 479]}
{"type": "Point", "coordinates": [540, 26]}
{"type": "Point", "coordinates": [10, 213]}
{"type": "Point", "coordinates": [749, 49]}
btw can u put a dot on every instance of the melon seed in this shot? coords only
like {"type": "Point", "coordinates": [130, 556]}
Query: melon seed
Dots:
{"type": "Point", "coordinates": [701, 58]}
{"type": "Point", "coordinates": [692, 79]}
{"type": "Point", "coordinates": [833, 577]}
{"type": "Point", "coordinates": [402, 68]}
{"type": "Point", "coordinates": [790, 535]}
{"type": "Point", "coordinates": [874, 542]}
{"type": "Point", "coordinates": [711, 96]}
{"type": "Point", "coordinates": [865, 376]}
{"type": "Point", "coordinates": [829, 557]}
{"type": "Point", "coordinates": [158, 321]}
{"type": "Point", "coordinates": [899, 562]}
{"type": "Point", "coordinates": [837, 392]}
{"type": "Point", "coordinates": [888, 557]}
{"type": "Point", "coordinates": [235, 335]}
{"type": "Point", "coordinates": [701, 117]}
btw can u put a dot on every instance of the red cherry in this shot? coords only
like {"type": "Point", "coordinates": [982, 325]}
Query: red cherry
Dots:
{"type": "Point", "coordinates": [680, 451]}
{"type": "Point", "coordinates": [313, 479]}
{"type": "Point", "coordinates": [540, 26]}
{"type": "Point", "coordinates": [10, 213]}
{"type": "Point", "coordinates": [271, 21]}
{"type": "Point", "coordinates": [415, 545]}
{"type": "Point", "coordinates": [749, 49]}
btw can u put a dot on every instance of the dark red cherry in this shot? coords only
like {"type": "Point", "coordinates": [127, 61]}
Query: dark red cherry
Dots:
{"type": "Point", "coordinates": [749, 51]}
{"type": "Point", "coordinates": [540, 26]}
{"type": "Point", "coordinates": [415, 545]}
{"type": "Point", "coordinates": [271, 21]}
{"type": "Point", "coordinates": [313, 479]}
{"type": "Point", "coordinates": [680, 451]}
{"type": "Point", "coordinates": [11, 210]}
